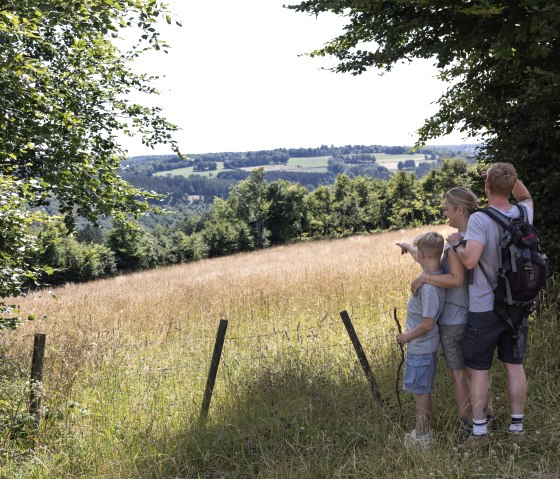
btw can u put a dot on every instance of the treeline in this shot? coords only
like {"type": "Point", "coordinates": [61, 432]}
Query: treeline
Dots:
{"type": "Point", "coordinates": [310, 180]}
{"type": "Point", "coordinates": [358, 165]}
{"type": "Point", "coordinates": [148, 165]}
{"type": "Point", "coordinates": [353, 160]}
{"type": "Point", "coordinates": [179, 190]}
{"type": "Point", "coordinates": [257, 213]}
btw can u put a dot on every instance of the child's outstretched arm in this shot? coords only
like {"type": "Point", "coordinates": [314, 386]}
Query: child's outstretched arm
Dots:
{"type": "Point", "coordinates": [408, 248]}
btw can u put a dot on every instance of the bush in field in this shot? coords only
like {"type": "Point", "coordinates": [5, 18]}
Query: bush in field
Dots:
{"type": "Point", "coordinates": [70, 259]}
{"type": "Point", "coordinates": [225, 233]}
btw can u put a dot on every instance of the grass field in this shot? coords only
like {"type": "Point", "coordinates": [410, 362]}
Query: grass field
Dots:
{"type": "Point", "coordinates": [127, 359]}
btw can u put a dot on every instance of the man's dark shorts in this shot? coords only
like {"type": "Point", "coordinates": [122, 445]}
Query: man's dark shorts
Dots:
{"type": "Point", "coordinates": [484, 332]}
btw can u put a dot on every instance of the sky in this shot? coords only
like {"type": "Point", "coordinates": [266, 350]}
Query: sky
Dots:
{"type": "Point", "coordinates": [236, 79]}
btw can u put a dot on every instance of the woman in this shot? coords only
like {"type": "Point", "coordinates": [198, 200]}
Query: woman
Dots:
{"type": "Point", "coordinates": [459, 204]}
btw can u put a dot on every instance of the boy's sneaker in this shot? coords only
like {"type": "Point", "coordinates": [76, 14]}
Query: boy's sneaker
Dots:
{"type": "Point", "coordinates": [474, 441]}
{"type": "Point", "coordinates": [413, 439]}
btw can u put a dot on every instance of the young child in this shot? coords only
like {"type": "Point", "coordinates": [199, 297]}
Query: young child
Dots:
{"type": "Point", "coordinates": [422, 335]}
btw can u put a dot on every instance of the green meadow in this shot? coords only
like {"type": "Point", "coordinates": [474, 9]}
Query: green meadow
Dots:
{"type": "Point", "coordinates": [127, 360]}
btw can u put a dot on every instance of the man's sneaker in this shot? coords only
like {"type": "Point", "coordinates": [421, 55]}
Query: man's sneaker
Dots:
{"type": "Point", "coordinates": [474, 441]}
{"type": "Point", "coordinates": [413, 439]}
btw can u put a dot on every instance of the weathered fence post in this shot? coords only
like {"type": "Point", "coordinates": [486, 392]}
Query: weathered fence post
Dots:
{"type": "Point", "coordinates": [398, 380]}
{"type": "Point", "coordinates": [36, 375]}
{"type": "Point", "coordinates": [361, 355]}
{"type": "Point", "coordinates": [216, 355]}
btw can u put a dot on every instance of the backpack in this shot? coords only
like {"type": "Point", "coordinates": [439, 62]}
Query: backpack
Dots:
{"type": "Point", "coordinates": [523, 266]}
{"type": "Point", "coordinates": [522, 272]}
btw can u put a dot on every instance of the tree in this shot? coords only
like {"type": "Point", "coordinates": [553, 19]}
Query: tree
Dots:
{"type": "Point", "coordinates": [64, 89]}
{"type": "Point", "coordinates": [286, 211]}
{"type": "Point", "coordinates": [225, 233]}
{"type": "Point", "coordinates": [70, 259]}
{"type": "Point", "coordinates": [17, 245]}
{"type": "Point", "coordinates": [502, 61]}
{"type": "Point", "coordinates": [249, 201]}
{"type": "Point", "coordinates": [406, 206]}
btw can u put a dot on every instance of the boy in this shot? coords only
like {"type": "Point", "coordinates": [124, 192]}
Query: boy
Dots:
{"type": "Point", "coordinates": [422, 335]}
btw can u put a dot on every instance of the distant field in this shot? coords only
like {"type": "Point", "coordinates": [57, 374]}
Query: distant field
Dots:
{"type": "Point", "coordinates": [188, 171]}
{"type": "Point", "coordinates": [391, 161]}
{"type": "Point", "coordinates": [314, 164]}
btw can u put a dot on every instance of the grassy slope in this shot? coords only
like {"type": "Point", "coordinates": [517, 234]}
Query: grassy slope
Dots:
{"type": "Point", "coordinates": [290, 400]}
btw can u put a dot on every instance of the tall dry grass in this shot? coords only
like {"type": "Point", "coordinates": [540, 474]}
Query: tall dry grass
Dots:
{"type": "Point", "coordinates": [127, 359]}
{"type": "Point", "coordinates": [257, 292]}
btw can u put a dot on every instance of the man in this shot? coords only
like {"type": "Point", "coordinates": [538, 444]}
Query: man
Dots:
{"type": "Point", "coordinates": [485, 331]}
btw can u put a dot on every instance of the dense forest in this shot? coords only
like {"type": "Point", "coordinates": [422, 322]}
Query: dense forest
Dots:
{"type": "Point", "coordinates": [250, 214]}
{"type": "Point", "coordinates": [352, 160]}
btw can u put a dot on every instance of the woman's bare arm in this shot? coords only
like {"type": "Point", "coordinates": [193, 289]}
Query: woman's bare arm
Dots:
{"type": "Point", "coordinates": [453, 279]}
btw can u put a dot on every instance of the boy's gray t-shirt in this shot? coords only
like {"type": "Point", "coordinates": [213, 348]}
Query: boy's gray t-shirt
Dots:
{"type": "Point", "coordinates": [428, 303]}
{"type": "Point", "coordinates": [484, 229]}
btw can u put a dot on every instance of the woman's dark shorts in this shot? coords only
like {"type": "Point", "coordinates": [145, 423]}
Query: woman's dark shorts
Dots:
{"type": "Point", "coordinates": [451, 337]}
{"type": "Point", "coordinates": [484, 333]}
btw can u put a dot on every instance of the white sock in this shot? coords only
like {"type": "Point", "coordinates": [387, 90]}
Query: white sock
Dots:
{"type": "Point", "coordinates": [516, 423]}
{"type": "Point", "coordinates": [479, 427]}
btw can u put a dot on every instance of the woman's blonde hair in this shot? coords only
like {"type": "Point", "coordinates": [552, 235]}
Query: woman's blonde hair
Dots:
{"type": "Point", "coordinates": [430, 243]}
{"type": "Point", "coordinates": [461, 196]}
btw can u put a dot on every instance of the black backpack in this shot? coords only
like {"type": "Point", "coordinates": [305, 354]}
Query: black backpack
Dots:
{"type": "Point", "coordinates": [523, 267]}
{"type": "Point", "coordinates": [522, 272]}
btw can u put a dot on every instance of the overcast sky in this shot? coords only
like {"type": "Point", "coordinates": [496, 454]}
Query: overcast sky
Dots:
{"type": "Point", "coordinates": [235, 80]}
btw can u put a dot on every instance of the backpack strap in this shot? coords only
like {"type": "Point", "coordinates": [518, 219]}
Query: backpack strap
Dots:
{"type": "Point", "coordinates": [497, 216]}
{"type": "Point", "coordinates": [503, 221]}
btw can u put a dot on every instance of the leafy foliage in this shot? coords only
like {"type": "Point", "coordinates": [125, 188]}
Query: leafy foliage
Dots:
{"type": "Point", "coordinates": [502, 61]}
{"type": "Point", "coordinates": [64, 85]}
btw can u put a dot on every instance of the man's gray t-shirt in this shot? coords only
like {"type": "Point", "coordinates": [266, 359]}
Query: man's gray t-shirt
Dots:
{"type": "Point", "coordinates": [428, 303]}
{"type": "Point", "coordinates": [484, 229]}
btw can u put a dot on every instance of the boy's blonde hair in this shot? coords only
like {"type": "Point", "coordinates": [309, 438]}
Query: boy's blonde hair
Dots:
{"type": "Point", "coordinates": [501, 178]}
{"type": "Point", "coordinates": [431, 243]}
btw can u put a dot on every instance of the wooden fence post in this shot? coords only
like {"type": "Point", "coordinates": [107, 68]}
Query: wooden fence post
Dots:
{"type": "Point", "coordinates": [36, 375]}
{"type": "Point", "coordinates": [216, 355]}
{"type": "Point", "coordinates": [361, 356]}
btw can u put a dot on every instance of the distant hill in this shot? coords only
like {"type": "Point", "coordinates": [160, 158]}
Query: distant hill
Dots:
{"type": "Point", "coordinates": [208, 175]}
